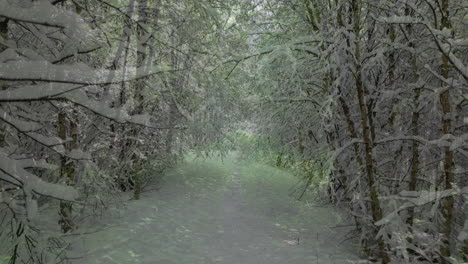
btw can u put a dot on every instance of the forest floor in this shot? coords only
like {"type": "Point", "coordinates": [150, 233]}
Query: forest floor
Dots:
{"type": "Point", "coordinates": [211, 212]}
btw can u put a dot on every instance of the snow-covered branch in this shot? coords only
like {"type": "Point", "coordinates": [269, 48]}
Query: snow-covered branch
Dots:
{"type": "Point", "coordinates": [51, 142]}
{"type": "Point", "coordinates": [40, 13]}
{"type": "Point", "coordinates": [44, 71]}
{"type": "Point", "coordinates": [14, 172]}
{"type": "Point", "coordinates": [446, 49]}
{"type": "Point", "coordinates": [414, 199]}
{"type": "Point", "coordinates": [447, 140]}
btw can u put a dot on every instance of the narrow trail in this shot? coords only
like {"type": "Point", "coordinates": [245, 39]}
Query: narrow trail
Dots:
{"type": "Point", "coordinates": [191, 226]}
{"type": "Point", "coordinates": [244, 239]}
{"type": "Point", "coordinates": [247, 238]}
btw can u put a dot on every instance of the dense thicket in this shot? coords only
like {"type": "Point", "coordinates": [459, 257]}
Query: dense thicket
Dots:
{"type": "Point", "coordinates": [378, 88]}
{"type": "Point", "coordinates": [98, 97]}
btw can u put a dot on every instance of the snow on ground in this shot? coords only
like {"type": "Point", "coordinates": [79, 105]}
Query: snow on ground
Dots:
{"type": "Point", "coordinates": [208, 212]}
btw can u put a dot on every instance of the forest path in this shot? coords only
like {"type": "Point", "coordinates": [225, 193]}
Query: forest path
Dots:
{"type": "Point", "coordinates": [210, 213]}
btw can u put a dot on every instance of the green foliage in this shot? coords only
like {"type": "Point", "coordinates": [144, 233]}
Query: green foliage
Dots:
{"type": "Point", "coordinates": [267, 189]}
{"type": "Point", "coordinates": [252, 147]}
{"type": "Point", "coordinates": [153, 170]}
{"type": "Point", "coordinates": [196, 174]}
{"type": "Point", "coordinates": [313, 173]}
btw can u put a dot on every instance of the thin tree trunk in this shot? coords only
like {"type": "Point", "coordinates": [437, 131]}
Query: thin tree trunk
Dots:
{"type": "Point", "coordinates": [67, 172]}
{"type": "Point", "coordinates": [67, 130]}
{"type": "Point", "coordinates": [123, 177]}
{"type": "Point", "coordinates": [170, 123]}
{"type": "Point", "coordinates": [3, 39]}
{"type": "Point", "coordinates": [415, 159]}
{"type": "Point", "coordinates": [414, 153]}
{"type": "Point", "coordinates": [174, 88]}
{"type": "Point", "coordinates": [144, 35]}
{"type": "Point", "coordinates": [414, 129]}
{"type": "Point", "coordinates": [369, 159]}
{"type": "Point", "coordinates": [391, 76]}
{"type": "Point", "coordinates": [448, 203]}
{"type": "Point", "coordinates": [3, 33]}
{"type": "Point", "coordinates": [463, 209]}
{"type": "Point", "coordinates": [351, 129]}
{"type": "Point", "coordinates": [139, 84]}
{"type": "Point", "coordinates": [393, 124]}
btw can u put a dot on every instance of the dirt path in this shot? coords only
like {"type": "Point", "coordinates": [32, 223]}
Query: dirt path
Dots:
{"type": "Point", "coordinates": [249, 238]}
{"type": "Point", "coordinates": [243, 238]}
{"type": "Point", "coordinates": [192, 226]}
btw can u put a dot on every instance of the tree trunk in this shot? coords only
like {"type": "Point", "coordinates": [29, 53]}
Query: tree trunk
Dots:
{"type": "Point", "coordinates": [369, 159]}
{"type": "Point", "coordinates": [3, 38]}
{"type": "Point", "coordinates": [174, 88]}
{"type": "Point", "coordinates": [463, 209]}
{"type": "Point", "coordinates": [123, 171]}
{"type": "Point", "coordinates": [351, 129]}
{"type": "Point", "coordinates": [414, 129]}
{"type": "Point", "coordinates": [448, 174]}
{"type": "Point", "coordinates": [67, 172]}
{"type": "Point", "coordinates": [143, 38]}
{"type": "Point", "coordinates": [170, 124]}
{"type": "Point", "coordinates": [3, 33]}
